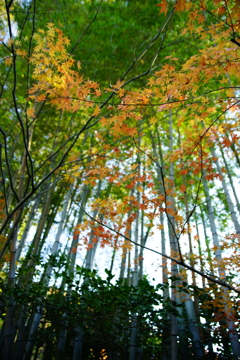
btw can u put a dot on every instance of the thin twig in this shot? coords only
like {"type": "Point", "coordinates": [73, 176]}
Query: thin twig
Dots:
{"type": "Point", "coordinates": [179, 262]}
{"type": "Point", "coordinates": [87, 28]}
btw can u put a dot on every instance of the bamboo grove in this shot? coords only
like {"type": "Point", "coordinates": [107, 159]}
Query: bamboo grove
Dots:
{"type": "Point", "coordinates": [119, 159]}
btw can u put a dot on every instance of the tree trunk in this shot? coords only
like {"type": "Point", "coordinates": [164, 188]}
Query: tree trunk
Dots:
{"type": "Point", "coordinates": [227, 195]}
{"type": "Point", "coordinates": [230, 324]}
{"type": "Point", "coordinates": [133, 333]}
{"type": "Point", "coordinates": [230, 178]}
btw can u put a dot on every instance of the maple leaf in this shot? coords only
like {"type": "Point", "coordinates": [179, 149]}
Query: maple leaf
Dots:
{"type": "Point", "coordinates": [183, 172]}
{"type": "Point", "coordinates": [118, 85]}
{"type": "Point", "coordinates": [10, 42]}
{"type": "Point", "coordinates": [226, 142]}
{"type": "Point", "coordinates": [180, 5]}
{"type": "Point", "coordinates": [74, 249]}
{"type": "Point", "coordinates": [182, 188]}
{"type": "Point", "coordinates": [8, 60]}
{"type": "Point", "coordinates": [96, 111]}
{"type": "Point", "coordinates": [163, 6]}
{"type": "Point", "coordinates": [132, 131]}
{"type": "Point", "coordinates": [161, 107]}
{"type": "Point", "coordinates": [21, 52]}
{"type": "Point", "coordinates": [30, 112]}
{"type": "Point", "coordinates": [104, 121]}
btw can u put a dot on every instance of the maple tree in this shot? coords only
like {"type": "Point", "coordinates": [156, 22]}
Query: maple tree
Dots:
{"type": "Point", "coordinates": [112, 160]}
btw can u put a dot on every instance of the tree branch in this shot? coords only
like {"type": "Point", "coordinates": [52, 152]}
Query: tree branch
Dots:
{"type": "Point", "coordinates": [182, 263]}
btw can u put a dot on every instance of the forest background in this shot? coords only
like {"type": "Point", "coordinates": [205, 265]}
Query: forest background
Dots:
{"type": "Point", "coordinates": [119, 134]}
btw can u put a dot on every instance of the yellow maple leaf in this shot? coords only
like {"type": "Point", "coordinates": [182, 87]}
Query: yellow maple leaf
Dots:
{"type": "Point", "coordinates": [10, 42]}
{"type": "Point", "coordinates": [96, 111]}
{"type": "Point", "coordinates": [118, 85]}
{"type": "Point", "coordinates": [8, 60]}
{"type": "Point", "coordinates": [153, 120]}
{"type": "Point", "coordinates": [21, 52]}
{"type": "Point", "coordinates": [30, 112]}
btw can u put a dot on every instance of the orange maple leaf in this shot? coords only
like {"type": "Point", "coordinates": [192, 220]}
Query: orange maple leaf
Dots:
{"type": "Point", "coordinates": [30, 112]}
{"type": "Point", "coordinates": [163, 6]}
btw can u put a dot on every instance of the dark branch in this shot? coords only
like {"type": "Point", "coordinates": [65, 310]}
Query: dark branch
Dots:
{"type": "Point", "coordinates": [179, 262]}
